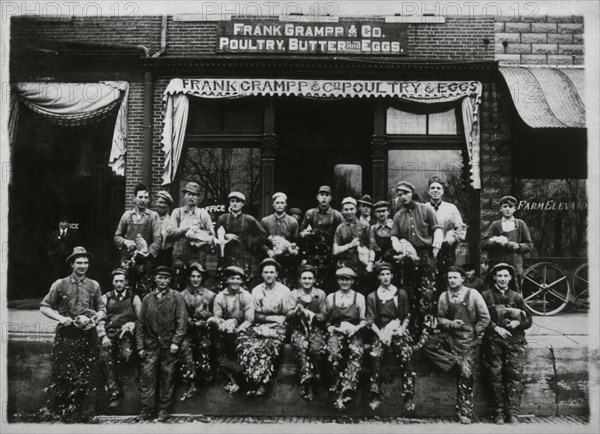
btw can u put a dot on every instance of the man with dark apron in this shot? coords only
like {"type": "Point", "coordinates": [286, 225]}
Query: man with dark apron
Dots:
{"type": "Point", "coordinates": [504, 342]}
{"type": "Point", "coordinates": [138, 236]}
{"type": "Point", "coordinates": [463, 317]}
{"type": "Point", "coordinates": [117, 334]}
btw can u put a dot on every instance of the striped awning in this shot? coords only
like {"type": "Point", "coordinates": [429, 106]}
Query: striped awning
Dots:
{"type": "Point", "coordinates": [547, 97]}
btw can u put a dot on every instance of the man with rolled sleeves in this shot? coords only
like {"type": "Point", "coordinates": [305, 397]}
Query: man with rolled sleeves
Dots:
{"type": "Point", "coordinates": [504, 342]}
{"type": "Point", "coordinates": [75, 302]}
{"type": "Point", "coordinates": [245, 240]}
{"type": "Point", "coordinates": [381, 230]}
{"type": "Point", "coordinates": [508, 240]}
{"type": "Point", "coordinates": [282, 231]}
{"type": "Point", "coordinates": [317, 232]}
{"type": "Point", "coordinates": [462, 318]}
{"type": "Point", "coordinates": [161, 327]}
{"type": "Point", "coordinates": [117, 334]}
{"type": "Point", "coordinates": [191, 231]}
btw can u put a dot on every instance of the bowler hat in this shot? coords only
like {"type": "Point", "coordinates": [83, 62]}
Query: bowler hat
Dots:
{"type": "Point", "coordinates": [237, 195]}
{"type": "Point", "coordinates": [77, 252]}
{"type": "Point", "coordinates": [235, 271]}
{"type": "Point", "coordinates": [324, 189]}
{"type": "Point", "coordinates": [366, 200]}
{"type": "Point", "coordinates": [502, 266]}
{"type": "Point", "coordinates": [269, 261]}
{"type": "Point", "coordinates": [508, 199]}
{"type": "Point", "coordinates": [191, 187]}
{"type": "Point", "coordinates": [405, 186]}
{"type": "Point", "coordinates": [345, 272]}
{"type": "Point", "coordinates": [456, 269]}
{"type": "Point", "coordinates": [165, 196]}
{"type": "Point", "coordinates": [381, 204]}
{"type": "Point", "coordinates": [164, 270]}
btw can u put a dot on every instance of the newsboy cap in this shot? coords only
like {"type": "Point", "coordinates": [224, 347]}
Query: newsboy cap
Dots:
{"type": "Point", "coordinates": [191, 187]}
{"type": "Point", "coordinates": [382, 266]}
{"type": "Point", "coordinates": [279, 194]}
{"type": "Point", "coordinates": [165, 196]}
{"type": "Point", "coordinates": [269, 261]}
{"type": "Point", "coordinates": [349, 200]}
{"type": "Point", "coordinates": [405, 186]}
{"type": "Point", "coordinates": [237, 195]}
{"type": "Point", "coordinates": [324, 189]}
{"type": "Point", "coordinates": [163, 270]}
{"type": "Point", "coordinates": [502, 266]}
{"type": "Point", "coordinates": [118, 271]}
{"type": "Point", "coordinates": [345, 272]}
{"type": "Point", "coordinates": [381, 204]}
{"type": "Point", "coordinates": [296, 211]}
{"type": "Point", "coordinates": [235, 271]}
{"type": "Point", "coordinates": [456, 269]}
{"type": "Point", "coordinates": [366, 200]}
{"type": "Point", "coordinates": [508, 199]}
{"type": "Point", "coordinates": [309, 268]}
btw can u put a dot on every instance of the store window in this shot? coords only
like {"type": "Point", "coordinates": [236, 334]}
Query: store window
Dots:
{"type": "Point", "coordinates": [218, 116]}
{"type": "Point", "coordinates": [347, 181]}
{"type": "Point", "coordinates": [220, 170]}
{"type": "Point", "coordinates": [423, 120]}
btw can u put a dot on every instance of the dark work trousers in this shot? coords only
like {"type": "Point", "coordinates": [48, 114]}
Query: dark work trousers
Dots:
{"type": "Point", "coordinates": [158, 366]}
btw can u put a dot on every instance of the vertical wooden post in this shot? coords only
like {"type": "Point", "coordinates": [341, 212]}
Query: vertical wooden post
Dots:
{"type": "Point", "coordinates": [379, 153]}
{"type": "Point", "coordinates": [267, 159]}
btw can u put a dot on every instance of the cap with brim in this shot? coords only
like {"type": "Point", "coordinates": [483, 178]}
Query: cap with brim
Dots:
{"type": "Point", "coordinates": [382, 266]}
{"type": "Point", "coordinates": [345, 272]}
{"type": "Point", "coordinates": [198, 267]}
{"type": "Point", "coordinates": [235, 271]}
{"type": "Point", "coordinates": [165, 196]}
{"type": "Point", "coordinates": [307, 267]}
{"type": "Point", "coordinates": [77, 252]}
{"type": "Point", "coordinates": [456, 269]}
{"type": "Point", "coordinates": [269, 261]}
{"type": "Point", "coordinates": [118, 271]}
{"type": "Point", "coordinates": [508, 199]}
{"type": "Point", "coordinates": [237, 195]}
{"type": "Point", "coordinates": [350, 200]}
{"type": "Point", "coordinates": [295, 211]}
{"type": "Point", "coordinates": [366, 200]}
{"type": "Point", "coordinates": [279, 194]}
{"type": "Point", "coordinates": [405, 186]}
{"type": "Point", "coordinates": [163, 270]}
{"type": "Point", "coordinates": [502, 266]}
{"type": "Point", "coordinates": [191, 187]}
{"type": "Point", "coordinates": [381, 204]}
{"type": "Point", "coordinates": [324, 189]}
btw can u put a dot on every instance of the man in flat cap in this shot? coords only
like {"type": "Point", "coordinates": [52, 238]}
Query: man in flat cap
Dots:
{"type": "Point", "coordinates": [508, 239]}
{"type": "Point", "coordinates": [365, 208]}
{"type": "Point", "coordinates": [60, 245]}
{"type": "Point", "coordinates": [162, 205]}
{"type": "Point", "coordinates": [463, 318]}
{"type": "Point", "coordinates": [261, 345]}
{"type": "Point", "coordinates": [117, 334]}
{"type": "Point", "coordinates": [388, 313]}
{"type": "Point", "coordinates": [244, 240]}
{"type": "Point", "coordinates": [352, 244]}
{"type": "Point", "coordinates": [161, 327]}
{"type": "Point", "coordinates": [317, 232]}
{"type": "Point", "coordinates": [233, 314]}
{"type": "Point", "coordinates": [282, 231]}
{"type": "Point", "coordinates": [196, 349]}
{"type": "Point", "coordinates": [504, 342]}
{"type": "Point", "coordinates": [381, 230]}
{"type": "Point", "coordinates": [138, 236]}
{"type": "Point", "coordinates": [191, 230]}
{"type": "Point", "coordinates": [297, 214]}
{"type": "Point", "coordinates": [345, 317]}
{"type": "Point", "coordinates": [75, 302]}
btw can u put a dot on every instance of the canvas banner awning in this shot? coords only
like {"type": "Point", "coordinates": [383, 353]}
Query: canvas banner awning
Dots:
{"type": "Point", "coordinates": [176, 104]}
{"type": "Point", "coordinates": [547, 97]}
{"type": "Point", "coordinates": [77, 104]}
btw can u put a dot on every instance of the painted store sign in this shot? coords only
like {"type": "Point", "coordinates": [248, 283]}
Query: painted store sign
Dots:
{"type": "Point", "coordinates": [269, 36]}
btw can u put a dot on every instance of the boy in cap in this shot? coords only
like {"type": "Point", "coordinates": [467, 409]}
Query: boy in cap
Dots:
{"type": "Point", "coordinates": [162, 205]}
{"type": "Point", "coordinates": [261, 345]}
{"type": "Point", "coordinates": [388, 312]}
{"type": "Point", "coordinates": [233, 314]}
{"type": "Point", "coordinates": [352, 243]}
{"type": "Point", "coordinates": [508, 239]}
{"type": "Point", "coordinates": [317, 232]}
{"type": "Point", "coordinates": [297, 214]}
{"type": "Point", "coordinates": [365, 207]}
{"type": "Point", "coordinates": [462, 317]}
{"type": "Point", "coordinates": [282, 231]}
{"type": "Point", "coordinates": [191, 231]}
{"type": "Point", "coordinates": [161, 327]}
{"type": "Point", "coordinates": [306, 319]}
{"type": "Point", "coordinates": [245, 240]}
{"type": "Point", "coordinates": [76, 303]}
{"type": "Point", "coordinates": [138, 236]}
{"type": "Point", "coordinates": [504, 342]}
{"type": "Point", "coordinates": [196, 349]}
{"type": "Point", "coordinates": [345, 317]}
{"type": "Point", "coordinates": [117, 334]}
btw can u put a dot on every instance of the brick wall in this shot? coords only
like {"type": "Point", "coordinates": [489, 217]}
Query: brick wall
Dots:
{"type": "Point", "coordinates": [158, 157]}
{"type": "Point", "coordinates": [539, 40]}
{"type": "Point", "coordinates": [135, 140]}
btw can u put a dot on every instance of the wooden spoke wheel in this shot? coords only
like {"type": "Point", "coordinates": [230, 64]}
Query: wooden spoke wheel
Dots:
{"type": "Point", "coordinates": [545, 288]}
{"type": "Point", "coordinates": [580, 287]}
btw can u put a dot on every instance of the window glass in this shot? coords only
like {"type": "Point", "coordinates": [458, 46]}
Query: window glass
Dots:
{"type": "Point", "coordinates": [443, 122]}
{"type": "Point", "coordinates": [347, 181]}
{"type": "Point", "coordinates": [222, 170]}
{"type": "Point", "coordinates": [212, 116]}
{"type": "Point", "coordinates": [401, 122]}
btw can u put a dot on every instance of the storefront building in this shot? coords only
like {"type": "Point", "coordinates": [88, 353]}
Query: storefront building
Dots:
{"type": "Point", "coordinates": [268, 104]}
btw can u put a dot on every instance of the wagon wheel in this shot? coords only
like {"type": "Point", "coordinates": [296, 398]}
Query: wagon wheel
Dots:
{"type": "Point", "coordinates": [580, 286]}
{"type": "Point", "coordinates": [545, 288]}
